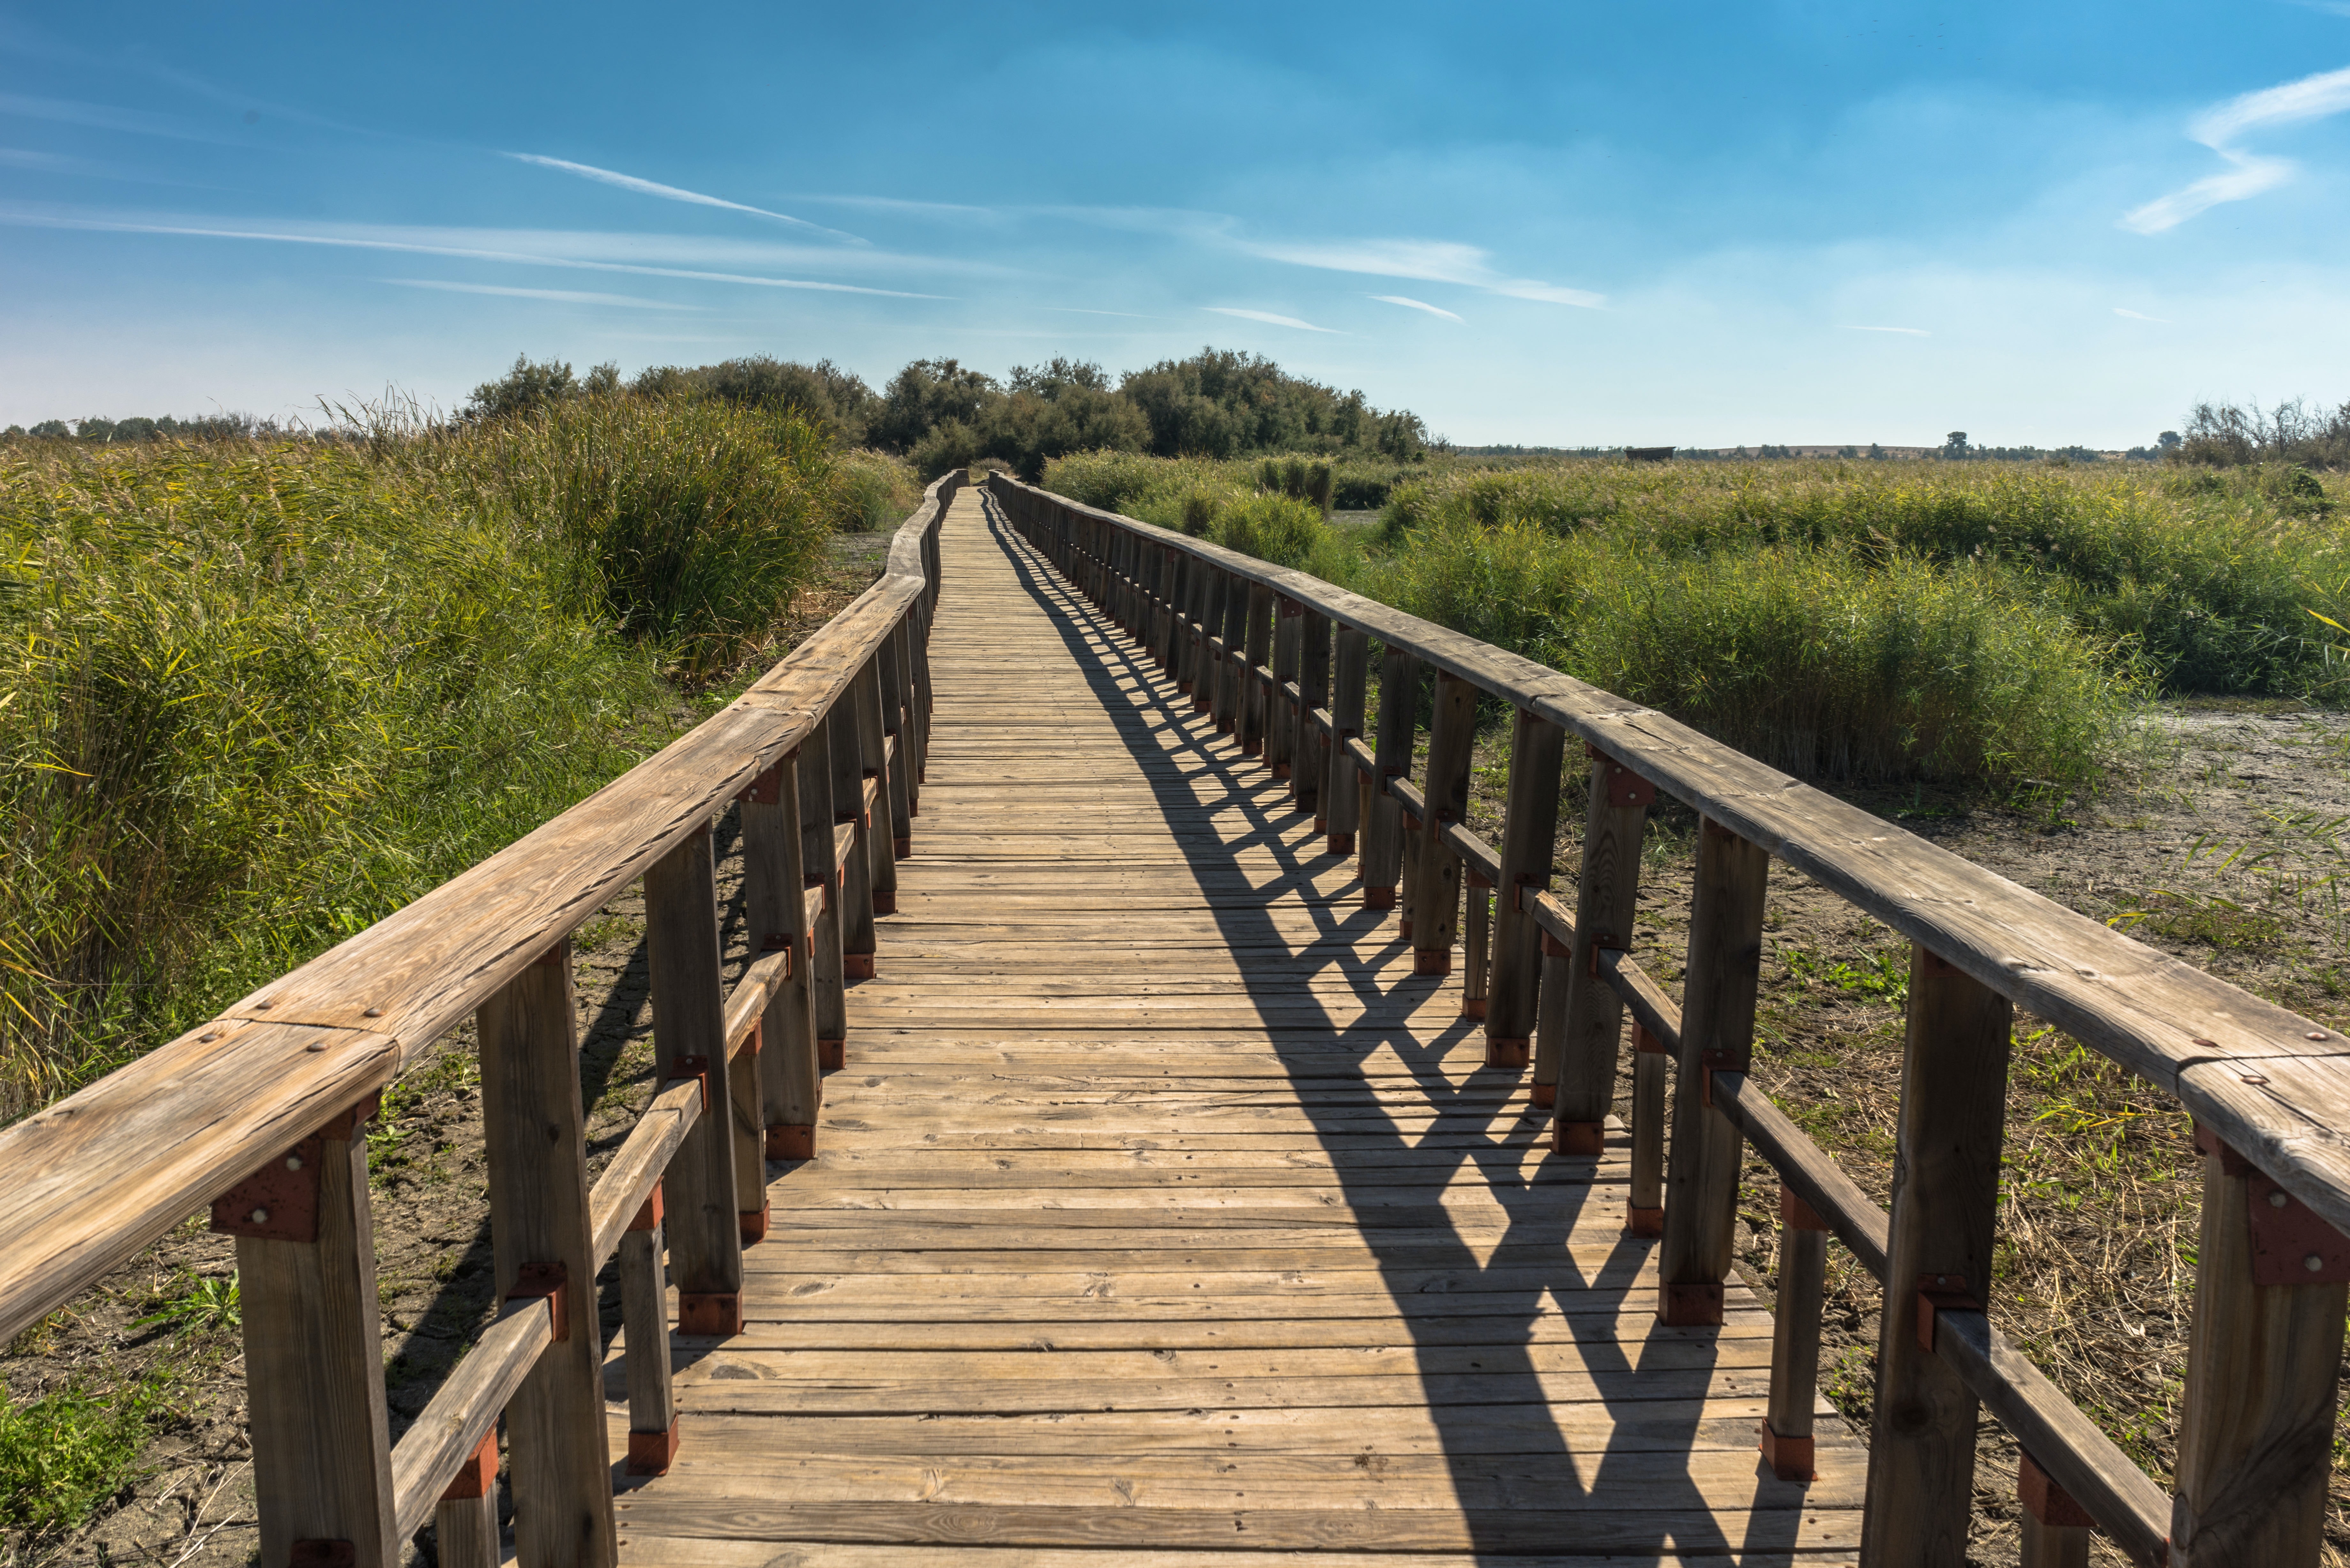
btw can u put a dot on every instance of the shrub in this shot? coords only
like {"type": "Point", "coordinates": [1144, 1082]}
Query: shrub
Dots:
{"type": "Point", "coordinates": [1820, 660]}
{"type": "Point", "coordinates": [66, 1453]}
{"type": "Point", "coordinates": [872, 492]}
{"type": "Point", "coordinates": [1272, 528]}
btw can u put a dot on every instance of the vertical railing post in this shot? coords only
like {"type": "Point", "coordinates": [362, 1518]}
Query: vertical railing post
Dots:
{"type": "Point", "coordinates": [465, 1519]}
{"type": "Point", "coordinates": [1231, 689]}
{"type": "Point", "coordinates": [918, 648]}
{"type": "Point", "coordinates": [1170, 615]}
{"type": "Point", "coordinates": [856, 902]}
{"type": "Point", "coordinates": [1382, 856]}
{"type": "Point", "coordinates": [774, 884]}
{"type": "Point", "coordinates": [535, 1134]}
{"type": "Point", "coordinates": [1644, 1202]}
{"type": "Point", "coordinates": [644, 1318]}
{"type": "Point", "coordinates": [1579, 1066]}
{"type": "Point", "coordinates": [2256, 1434]}
{"type": "Point", "coordinates": [2055, 1529]}
{"type": "Point", "coordinates": [1255, 711]}
{"type": "Point", "coordinates": [1529, 839]}
{"type": "Point", "coordinates": [1725, 962]}
{"type": "Point", "coordinates": [1795, 1339]}
{"type": "Point", "coordinates": [705, 1237]}
{"type": "Point", "coordinates": [1206, 664]}
{"type": "Point", "coordinates": [1435, 894]}
{"type": "Point", "coordinates": [1342, 796]}
{"type": "Point", "coordinates": [880, 841]}
{"type": "Point", "coordinates": [1921, 1451]}
{"type": "Point", "coordinates": [898, 724]}
{"type": "Point", "coordinates": [1281, 712]}
{"type": "Point", "coordinates": [819, 869]}
{"type": "Point", "coordinates": [1312, 772]}
{"type": "Point", "coordinates": [317, 1419]}
{"type": "Point", "coordinates": [1476, 954]}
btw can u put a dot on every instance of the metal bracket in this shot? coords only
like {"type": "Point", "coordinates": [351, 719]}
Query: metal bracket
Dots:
{"type": "Point", "coordinates": [2046, 1502]}
{"type": "Point", "coordinates": [1625, 787]}
{"type": "Point", "coordinates": [2291, 1244]}
{"type": "Point", "coordinates": [322, 1554]}
{"type": "Point", "coordinates": [1709, 1062]}
{"type": "Point", "coordinates": [1795, 1214]}
{"type": "Point", "coordinates": [1602, 943]}
{"type": "Point", "coordinates": [1553, 948]}
{"type": "Point", "coordinates": [1939, 1294]}
{"type": "Point", "coordinates": [767, 789]}
{"type": "Point", "coordinates": [648, 1214]}
{"type": "Point", "coordinates": [478, 1474]}
{"type": "Point", "coordinates": [1645, 1043]}
{"type": "Point", "coordinates": [279, 1202]}
{"type": "Point", "coordinates": [693, 1067]}
{"type": "Point", "coordinates": [547, 1280]}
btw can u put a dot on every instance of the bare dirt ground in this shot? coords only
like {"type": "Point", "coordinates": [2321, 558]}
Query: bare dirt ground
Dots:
{"type": "Point", "coordinates": [2224, 851]}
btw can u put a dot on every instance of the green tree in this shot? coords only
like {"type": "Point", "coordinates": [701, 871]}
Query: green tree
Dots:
{"type": "Point", "coordinates": [525, 388]}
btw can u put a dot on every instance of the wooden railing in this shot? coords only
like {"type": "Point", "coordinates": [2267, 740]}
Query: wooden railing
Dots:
{"type": "Point", "coordinates": [259, 1112]}
{"type": "Point", "coordinates": [1283, 659]}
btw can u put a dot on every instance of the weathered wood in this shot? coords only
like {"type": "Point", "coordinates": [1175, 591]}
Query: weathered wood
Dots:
{"type": "Point", "coordinates": [1804, 1167]}
{"type": "Point", "coordinates": [1795, 1339]}
{"type": "Point", "coordinates": [1582, 1059]}
{"type": "Point", "coordinates": [1382, 859]}
{"type": "Point", "coordinates": [533, 1132]}
{"type": "Point", "coordinates": [705, 1241]}
{"type": "Point", "coordinates": [2164, 1021]}
{"type": "Point", "coordinates": [2089, 1465]}
{"type": "Point", "coordinates": [1230, 685]}
{"type": "Point", "coordinates": [821, 869]}
{"type": "Point", "coordinates": [1725, 958]}
{"type": "Point", "coordinates": [898, 735]}
{"type": "Point", "coordinates": [636, 1166]}
{"type": "Point", "coordinates": [465, 1530]}
{"type": "Point", "coordinates": [314, 1371]}
{"type": "Point", "coordinates": [1255, 644]}
{"type": "Point", "coordinates": [775, 910]}
{"type": "Point", "coordinates": [1342, 791]}
{"type": "Point", "coordinates": [1281, 727]}
{"type": "Point", "coordinates": [1435, 891]}
{"type": "Point", "coordinates": [852, 826]}
{"type": "Point", "coordinates": [1945, 1199]}
{"type": "Point", "coordinates": [2256, 1434]}
{"type": "Point", "coordinates": [448, 1432]}
{"type": "Point", "coordinates": [644, 1318]}
{"type": "Point", "coordinates": [1311, 773]}
{"type": "Point", "coordinates": [2055, 1531]}
{"type": "Point", "coordinates": [1529, 839]}
{"type": "Point", "coordinates": [873, 747]}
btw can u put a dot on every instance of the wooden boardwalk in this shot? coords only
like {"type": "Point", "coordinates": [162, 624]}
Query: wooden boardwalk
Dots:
{"type": "Point", "coordinates": [1162, 1213]}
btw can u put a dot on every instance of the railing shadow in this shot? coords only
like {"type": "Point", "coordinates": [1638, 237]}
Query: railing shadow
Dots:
{"type": "Point", "coordinates": [1488, 1394]}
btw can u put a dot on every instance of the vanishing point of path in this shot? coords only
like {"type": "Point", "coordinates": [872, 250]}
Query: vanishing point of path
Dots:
{"type": "Point", "coordinates": [1161, 1214]}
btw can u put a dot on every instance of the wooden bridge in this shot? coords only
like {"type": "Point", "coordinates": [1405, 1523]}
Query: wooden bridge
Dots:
{"type": "Point", "coordinates": [1155, 1127]}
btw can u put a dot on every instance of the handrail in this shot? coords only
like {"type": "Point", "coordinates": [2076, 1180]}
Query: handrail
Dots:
{"type": "Point", "coordinates": [258, 1109]}
{"type": "Point", "coordinates": [2167, 1020]}
{"type": "Point", "coordinates": [2270, 1090]}
{"type": "Point", "coordinates": [109, 1168]}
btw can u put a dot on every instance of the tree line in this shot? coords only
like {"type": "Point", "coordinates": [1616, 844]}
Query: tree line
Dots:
{"type": "Point", "coordinates": [940, 413]}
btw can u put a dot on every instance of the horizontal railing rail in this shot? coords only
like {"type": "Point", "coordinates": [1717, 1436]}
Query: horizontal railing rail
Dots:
{"type": "Point", "coordinates": [259, 1112]}
{"type": "Point", "coordinates": [1283, 660]}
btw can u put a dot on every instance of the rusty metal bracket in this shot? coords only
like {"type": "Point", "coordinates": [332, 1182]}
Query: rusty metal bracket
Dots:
{"type": "Point", "coordinates": [533, 1281]}
{"type": "Point", "coordinates": [479, 1474]}
{"type": "Point", "coordinates": [1709, 1062]}
{"type": "Point", "coordinates": [1795, 1214]}
{"type": "Point", "coordinates": [1645, 1043]}
{"type": "Point", "coordinates": [1940, 1293]}
{"type": "Point", "coordinates": [2292, 1244]}
{"type": "Point", "coordinates": [279, 1202]}
{"type": "Point", "coordinates": [693, 1067]}
{"type": "Point", "coordinates": [1601, 942]}
{"type": "Point", "coordinates": [650, 1213]}
{"type": "Point", "coordinates": [1553, 948]}
{"type": "Point", "coordinates": [1625, 787]}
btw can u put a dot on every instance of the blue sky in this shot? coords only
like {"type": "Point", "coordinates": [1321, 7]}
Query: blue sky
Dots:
{"type": "Point", "coordinates": [1805, 221]}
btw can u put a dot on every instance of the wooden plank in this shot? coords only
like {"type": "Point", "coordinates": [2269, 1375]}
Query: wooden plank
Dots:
{"type": "Point", "coordinates": [635, 1169]}
{"type": "Point", "coordinates": [464, 1410]}
{"type": "Point", "coordinates": [1529, 839]}
{"type": "Point", "coordinates": [681, 946]}
{"type": "Point", "coordinates": [1581, 1057]}
{"type": "Point", "coordinates": [1945, 1203]}
{"type": "Point", "coordinates": [316, 1416]}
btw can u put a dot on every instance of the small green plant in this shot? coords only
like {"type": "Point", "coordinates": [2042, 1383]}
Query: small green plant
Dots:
{"type": "Point", "coordinates": [64, 1455]}
{"type": "Point", "coordinates": [1881, 977]}
{"type": "Point", "coordinates": [201, 1304]}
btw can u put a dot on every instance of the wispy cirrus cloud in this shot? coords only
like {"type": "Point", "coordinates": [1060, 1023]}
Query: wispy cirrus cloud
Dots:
{"type": "Point", "coordinates": [1411, 304]}
{"type": "Point", "coordinates": [673, 193]}
{"type": "Point", "coordinates": [105, 117]}
{"type": "Point", "coordinates": [1270, 318]}
{"type": "Point", "coordinates": [559, 296]}
{"type": "Point", "coordinates": [1904, 331]}
{"type": "Point", "coordinates": [440, 243]}
{"type": "Point", "coordinates": [2222, 128]}
{"type": "Point", "coordinates": [2139, 316]}
{"type": "Point", "coordinates": [1437, 261]}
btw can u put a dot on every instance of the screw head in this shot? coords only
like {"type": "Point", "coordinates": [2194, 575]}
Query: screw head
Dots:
{"type": "Point", "coordinates": [2313, 1262]}
{"type": "Point", "coordinates": [372, 1012]}
{"type": "Point", "coordinates": [207, 1039]}
{"type": "Point", "coordinates": [292, 1162]}
{"type": "Point", "coordinates": [2319, 1034]}
{"type": "Point", "coordinates": [259, 1216]}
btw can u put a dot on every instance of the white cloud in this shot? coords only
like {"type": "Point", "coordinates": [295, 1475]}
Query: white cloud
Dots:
{"type": "Point", "coordinates": [1437, 261]}
{"type": "Point", "coordinates": [102, 117]}
{"type": "Point", "coordinates": [1905, 331]}
{"type": "Point", "coordinates": [2135, 315]}
{"type": "Point", "coordinates": [2219, 128]}
{"type": "Point", "coordinates": [561, 296]}
{"type": "Point", "coordinates": [396, 240]}
{"type": "Point", "coordinates": [1411, 304]}
{"type": "Point", "coordinates": [670, 193]}
{"type": "Point", "coordinates": [1267, 316]}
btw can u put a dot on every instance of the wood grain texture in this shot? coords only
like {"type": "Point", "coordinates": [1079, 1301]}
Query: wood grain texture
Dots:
{"type": "Point", "coordinates": [1163, 1195]}
{"type": "Point", "coordinates": [464, 1410]}
{"type": "Point", "coordinates": [2162, 1018]}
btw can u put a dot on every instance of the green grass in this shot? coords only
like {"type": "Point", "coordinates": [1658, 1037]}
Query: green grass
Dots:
{"type": "Point", "coordinates": [259, 695]}
{"type": "Point", "coordinates": [65, 1454]}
